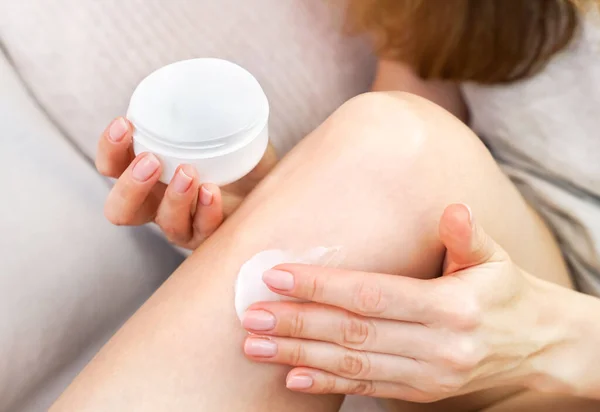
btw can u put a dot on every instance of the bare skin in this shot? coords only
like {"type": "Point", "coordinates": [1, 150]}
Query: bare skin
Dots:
{"type": "Point", "coordinates": [186, 211]}
{"type": "Point", "coordinates": [375, 178]}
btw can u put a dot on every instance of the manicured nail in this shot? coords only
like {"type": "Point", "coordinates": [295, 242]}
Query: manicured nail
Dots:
{"type": "Point", "coordinates": [181, 182]}
{"type": "Point", "coordinates": [117, 130]}
{"type": "Point", "coordinates": [260, 347]}
{"type": "Point", "coordinates": [258, 320]}
{"type": "Point", "coordinates": [206, 197]}
{"type": "Point", "coordinates": [470, 213]}
{"type": "Point", "coordinates": [145, 168]}
{"type": "Point", "coordinates": [278, 279]}
{"type": "Point", "coordinates": [299, 382]}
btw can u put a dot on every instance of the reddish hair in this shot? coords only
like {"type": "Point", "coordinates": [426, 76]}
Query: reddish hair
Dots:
{"type": "Point", "coordinates": [487, 41]}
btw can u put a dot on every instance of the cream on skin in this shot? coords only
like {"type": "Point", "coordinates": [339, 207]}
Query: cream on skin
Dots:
{"type": "Point", "coordinates": [249, 286]}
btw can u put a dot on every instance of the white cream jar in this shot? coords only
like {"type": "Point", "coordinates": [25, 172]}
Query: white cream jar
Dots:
{"type": "Point", "coordinates": [209, 113]}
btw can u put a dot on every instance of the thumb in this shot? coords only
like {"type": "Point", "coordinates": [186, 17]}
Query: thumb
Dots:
{"type": "Point", "coordinates": [466, 242]}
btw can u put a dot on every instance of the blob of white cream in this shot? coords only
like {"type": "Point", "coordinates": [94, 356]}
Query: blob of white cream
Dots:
{"type": "Point", "coordinates": [249, 286]}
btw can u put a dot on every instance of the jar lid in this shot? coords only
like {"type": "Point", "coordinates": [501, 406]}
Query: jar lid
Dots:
{"type": "Point", "coordinates": [198, 103]}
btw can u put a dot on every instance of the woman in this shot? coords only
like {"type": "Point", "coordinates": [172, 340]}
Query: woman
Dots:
{"type": "Point", "coordinates": [404, 175]}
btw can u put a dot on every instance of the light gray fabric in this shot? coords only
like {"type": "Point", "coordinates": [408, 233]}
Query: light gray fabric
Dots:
{"type": "Point", "coordinates": [544, 131]}
{"type": "Point", "coordinates": [67, 277]}
{"type": "Point", "coordinates": [83, 58]}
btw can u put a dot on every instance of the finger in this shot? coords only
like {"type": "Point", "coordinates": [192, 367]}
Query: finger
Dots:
{"type": "Point", "coordinates": [114, 148]}
{"type": "Point", "coordinates": [174, 215]}
{"type": "Point", "coordinates": [368, 294]}
{"type": "Point", "coordinates": [329, 324]}
{"type": "Point", "coordinates": [332, 358]}
{"type": "Point", "coordinates": [466, 242]}
{"type": "Point", "coordinates": [209, 211]}
{"type": "Point", "coordinates": [318, 382]}
{"type": "Point", "coordinates": [126, 203]}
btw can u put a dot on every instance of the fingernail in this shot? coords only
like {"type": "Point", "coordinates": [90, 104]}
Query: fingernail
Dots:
{"type": "Point", "coordinates": [259, 320]}
{"type": "Point", "coordinates": [260, 347]}
{"type": "Point", "coordinates": [299, 382]}
{"type": "Point", "coordinates": [145, 168]}
{"type": "Point", "coordinates": [470, 213]}
{"type": "Point", "coordinates": [181, 182]}
{"type": "Point", "coordinates": [206, 197]}
{"type": "Point", "coordinates": [278, 279]}
{"type": "Point", "coordinates": [117, 130]}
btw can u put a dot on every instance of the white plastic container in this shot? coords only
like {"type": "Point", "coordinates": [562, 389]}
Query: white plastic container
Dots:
{"type": "Point", "coordinates": [209, 113]}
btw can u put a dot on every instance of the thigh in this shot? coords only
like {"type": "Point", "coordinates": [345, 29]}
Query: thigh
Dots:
{"type": "Point", "coordinates": [373, 179]}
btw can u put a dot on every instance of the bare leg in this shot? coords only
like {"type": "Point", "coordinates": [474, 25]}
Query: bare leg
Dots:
{"type": "Point", "coordinates": [373, 178]}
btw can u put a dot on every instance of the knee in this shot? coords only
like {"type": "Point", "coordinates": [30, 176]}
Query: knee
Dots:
{"type": "Point", "coordinates": [380, 120]}
{"type": "Point", "coordinates": [400, 132]}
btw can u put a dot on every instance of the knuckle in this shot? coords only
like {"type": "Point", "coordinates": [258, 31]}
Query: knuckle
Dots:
{"type": "Point", "coordinates": [466, 314]}
{"type": "Point", "coordinates": [363, 388]}
{"type": "Point", "coordinates": [201, 231]}
{"type": "Point", "coordinates": [356, 331]}
{"type": "Point", "coordinates": [369, 299]}
{"type": "Point", "coordinates": [297, 325]}
{"type": "Point", "coordinates": [172, 231]}
{"type": "Point", "coordinates": [168, 229]}
{"type": "Point", "coordinates": [328, 385]}
{"type": "Point", "coordinates": [317, 285]}
{"type": "Point", "coordinates": [103, 168]}
{"type": "Point", "coordinates": [355, 364]}
{"type": "Point", "coordinates": [298, 355]}
{"type": "Point", "coordinates": [114, 217]}
{"type": "Point", "coordinates": [463, 356]}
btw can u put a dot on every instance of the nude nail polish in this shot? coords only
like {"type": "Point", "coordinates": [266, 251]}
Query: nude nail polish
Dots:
{"type": "Point", "coordinates": [262, 348]}
{"type": "Point", "coordinates": [145, 168]}
{"type": "Point", "coordinates": [258, 320]}
{"type": "Point", "coordinates": [117, 130]}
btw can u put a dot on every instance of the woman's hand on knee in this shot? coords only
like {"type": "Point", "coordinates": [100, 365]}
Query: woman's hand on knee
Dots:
{"type": "Point", "coordinates": [481, 325]}
{"type": "Point", "coordinates": [185, 210]}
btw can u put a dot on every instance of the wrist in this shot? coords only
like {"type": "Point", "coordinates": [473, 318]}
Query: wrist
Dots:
{"type": "Point", "coordinates": [568, 335]}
